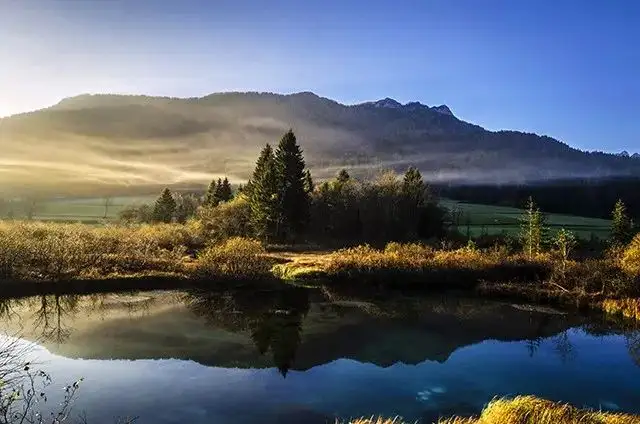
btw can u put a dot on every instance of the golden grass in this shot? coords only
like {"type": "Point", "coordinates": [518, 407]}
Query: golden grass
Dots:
{"type": "Point", "coordinates": [526, 410]}
{"type": "Point", "coordinates": [464, 266]}
{"type": "Point", "coordinates": [235, 258]}
{"type": "Point", "coordinates": [53, 251]}
{"type": "Point", "coordinates": [628, 308]}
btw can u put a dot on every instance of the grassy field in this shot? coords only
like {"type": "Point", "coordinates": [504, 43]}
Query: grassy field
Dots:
{"type": "Point", "coordinates": [87, 210]}
{"type": "Point", "coordinates": [498, 219]}
{"type": "Point", "coordinates": [479, 218]}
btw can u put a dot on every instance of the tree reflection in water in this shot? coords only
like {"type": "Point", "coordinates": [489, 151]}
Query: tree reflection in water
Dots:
{"type": "Point", "coordinates": [272, 318]}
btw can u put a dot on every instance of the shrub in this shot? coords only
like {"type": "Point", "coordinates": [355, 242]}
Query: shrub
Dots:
{"type": "Point", "coordinates": [235, 258]}
{"type": "Point", "coordinates": [630, 261]}
{"type": "Point", "coordinates": [229, 219]}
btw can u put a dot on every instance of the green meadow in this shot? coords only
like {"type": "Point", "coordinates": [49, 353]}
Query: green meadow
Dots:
{"type": "Point", "coordinates": [487, 219]}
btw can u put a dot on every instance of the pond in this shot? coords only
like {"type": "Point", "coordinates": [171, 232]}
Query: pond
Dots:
{"type": "Point", "coordinates": [311, 356]}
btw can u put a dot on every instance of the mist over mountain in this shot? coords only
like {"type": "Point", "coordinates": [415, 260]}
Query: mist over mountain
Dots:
{"type": "Point", "coordinates": [93, 143]}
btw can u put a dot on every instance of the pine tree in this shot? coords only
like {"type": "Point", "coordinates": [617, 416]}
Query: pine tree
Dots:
{"type": "Point", "coordinates": [217, 194]}
{"type": "Point", "coordinates": [225, 194]}
{"type": "Point", "coordinates": [621, 227]}
{"type": "Point", "coordinates": [533, 229]}
{"type": "Point", "coordinates": [414, 187]}
{"type": "Point", "coordinates": [210, 195]}
{"type": "Point", "coordinates": [164, 207]}
{"type": "Point", "coordinates": [293, 199]}
{"type": "Point", "coordinates": [308, 182]}
{"type": "Point", "coordinates": [263, 195]}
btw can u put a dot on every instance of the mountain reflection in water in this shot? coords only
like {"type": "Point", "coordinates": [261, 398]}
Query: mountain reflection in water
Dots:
{"type": "Point", "coordinates": [332, 342]}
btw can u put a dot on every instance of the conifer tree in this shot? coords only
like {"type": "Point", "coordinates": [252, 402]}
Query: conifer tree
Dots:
{"type": "Point", "coordinates": [263, 195]}
{"type": "Point", "coordinates": [164, 207]}
{"type": "Point", "coordinates": [225, 194]}
{"type": "Point", "coordinates": [308, 182]}
{"type": "Point", "coordinates": [621, 227]}
{"type": "Point", "coordinates": [293, 200]}
{"type": "Point", "coordinates": [210, 195]}
{"type": "Point", "coordinates": [414, 187]}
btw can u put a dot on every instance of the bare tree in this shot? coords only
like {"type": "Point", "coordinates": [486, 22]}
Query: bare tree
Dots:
{"type": "Point", "coordinates": [108, 201]}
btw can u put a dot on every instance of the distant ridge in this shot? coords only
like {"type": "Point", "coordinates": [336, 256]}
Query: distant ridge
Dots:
{"type": "Point", "coordinates": [125, 142]}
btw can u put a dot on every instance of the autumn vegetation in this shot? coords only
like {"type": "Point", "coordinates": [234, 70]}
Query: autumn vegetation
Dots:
{"type": "Point", "coordinates": [389, 231]}
{"type": "Point", "coordinates": [525, 410]}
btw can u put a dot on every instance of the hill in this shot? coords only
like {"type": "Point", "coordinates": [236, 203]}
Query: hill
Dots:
{"type": "Point", "coordinates": [101, 143]}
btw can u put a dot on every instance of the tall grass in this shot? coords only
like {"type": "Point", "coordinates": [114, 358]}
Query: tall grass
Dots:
{"type": "Point", "coordinates": [51, 251]}
{"type": "Point", "coordinates": [235, 258]}
{"type": "Point", "coordinates": [526, 410]}
{"type": "Point", "coordinates": [418, 263]}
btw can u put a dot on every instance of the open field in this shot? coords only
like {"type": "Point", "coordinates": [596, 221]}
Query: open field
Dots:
{"type": "Point", "coordinates": [86, 210]}
{"type": "Point", "coordinates": [490, 219]}
{"type": "Point", "coordinates": [479, 218]}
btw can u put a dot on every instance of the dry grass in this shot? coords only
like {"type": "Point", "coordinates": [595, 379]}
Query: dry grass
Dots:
{"type": "Point", "coordinates": [526, 410]}
{"type": "Point", "coordinates": [414, 262]}
{"type": "Point", "coordinates": [51, 252]}
{"type": "Point", "coordinates": [235, 258]}
{"type": "Point", "coordinates": [628, 308]}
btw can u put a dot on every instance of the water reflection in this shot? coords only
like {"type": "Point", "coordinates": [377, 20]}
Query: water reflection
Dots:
{"type": "Point", "coordinates": [273, 319]}
{"type": "Point", "coordinates": [292, 328]}
{"type": "Point", "coordinates": [204, 356]}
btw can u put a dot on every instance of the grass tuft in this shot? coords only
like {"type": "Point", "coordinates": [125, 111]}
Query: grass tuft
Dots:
{"type": "Point", "coordinates": [526, 410]}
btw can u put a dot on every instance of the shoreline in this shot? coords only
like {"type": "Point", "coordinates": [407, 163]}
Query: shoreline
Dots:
{"type": "Point", "coordinates": [309, 270]}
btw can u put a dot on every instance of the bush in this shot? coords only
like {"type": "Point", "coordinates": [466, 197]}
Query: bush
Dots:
{"type": "Point", "coordinates": [630, 261]}
{"type": "Point", "coordinates": [235, 258]}
{"type": "Point", "coordinates": [229, 219]}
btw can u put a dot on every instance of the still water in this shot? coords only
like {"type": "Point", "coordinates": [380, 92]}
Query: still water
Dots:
{"type": "Point", "coordinates": [310, 356]}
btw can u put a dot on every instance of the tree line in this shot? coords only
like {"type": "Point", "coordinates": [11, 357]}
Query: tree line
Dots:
{"type": "Point", "coordinates": [592, 197]}
{"type": "Point", "coordinates": [281, 204]}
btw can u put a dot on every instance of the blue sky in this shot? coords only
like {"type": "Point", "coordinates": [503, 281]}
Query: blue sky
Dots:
{"type": "Point", "coordinates": [569, 69]}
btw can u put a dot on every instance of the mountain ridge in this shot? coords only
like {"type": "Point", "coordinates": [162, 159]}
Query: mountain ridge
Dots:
{"type": "Point", "coordinates": [125, 141]}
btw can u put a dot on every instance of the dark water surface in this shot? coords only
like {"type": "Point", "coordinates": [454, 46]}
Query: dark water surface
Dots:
{"type": "Point", "coordinates": [309, 356]}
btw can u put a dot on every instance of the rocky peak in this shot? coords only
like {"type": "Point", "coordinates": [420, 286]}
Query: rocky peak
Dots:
{"type": "Point", "coordinates": [444, 109]}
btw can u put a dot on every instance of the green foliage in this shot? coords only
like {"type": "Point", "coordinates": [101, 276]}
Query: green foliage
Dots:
{"type": "Point", "coordinates": [565, 242]}
{"type": "Point", "coordinates": [383, 209]}
{"type": "Point", "coordinates": [308, 182]}
{"type": "Point", "coordinates": [343, 177]}
{"type": "Point", "coordinates": [230, 219]}
{"type": "Point", "coordinates": [136, 214]}
{"type": "Point", "coordinates": [236, 257]}
{"type": "Point", "coordinates": [210, 197]}
{"type": "Point", "coordinates": [263, 195]}
{"type": "Point", "coordinates": [533, 229]}
{"type": "Point", "coordinates": [621, 226]}
{"type": "Point", "coordinates": [186, 207]}
{"type": "Point", "coordinates": [293, 187]}
{"type": "Point", "coordinates": [164, 207]}
{"type": "Point", "coordinates": [225, 193]}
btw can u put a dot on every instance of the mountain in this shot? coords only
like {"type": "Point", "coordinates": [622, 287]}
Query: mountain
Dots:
{"type": "Point", "coordinates": [94, 143]}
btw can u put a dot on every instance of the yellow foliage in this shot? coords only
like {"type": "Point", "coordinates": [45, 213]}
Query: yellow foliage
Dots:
{"type": "Point", "coordinates": [629, 308]}
{"type": "Point", "coordinates": [630, 261]}
{"type": "Point", "coordinates": [51, 251]}
{"type": "Point", "coordinates": [527, 410]}
{"type": "Point", "coordinates": [236, 257]}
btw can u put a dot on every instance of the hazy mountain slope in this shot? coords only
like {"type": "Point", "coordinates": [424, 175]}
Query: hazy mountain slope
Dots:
{"type": "Point", "coordinates": [91, 143]}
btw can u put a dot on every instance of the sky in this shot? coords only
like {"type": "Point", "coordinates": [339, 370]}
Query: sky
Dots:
{"type": "Point", "coordinates": [565, 68]}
